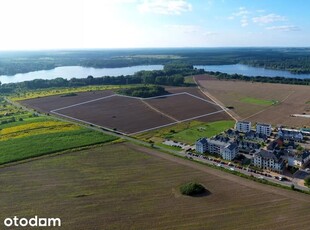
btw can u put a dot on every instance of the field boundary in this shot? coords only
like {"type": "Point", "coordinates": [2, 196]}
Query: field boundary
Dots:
{"type": "Point", "coordinates": [143, 100]}
{"type": "Point", "coordinates": [173, 123]}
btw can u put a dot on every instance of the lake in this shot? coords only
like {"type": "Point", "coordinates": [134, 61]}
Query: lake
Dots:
{"type": "Point", "coordinates": [82, 72]}
{"type": "Point", "coordinates": [69, 72]}
{"type": "Point", "coordinates": [251, 71]}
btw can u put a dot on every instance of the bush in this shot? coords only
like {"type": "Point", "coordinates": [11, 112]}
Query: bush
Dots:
{"type": "Point", "coordinates": [307, 181]}
{"type": "Point", "coordinates": [191, 189]}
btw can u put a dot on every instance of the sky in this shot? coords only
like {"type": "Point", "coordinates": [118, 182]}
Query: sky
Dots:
{"type": "Point", "coordinates": [83, 24]}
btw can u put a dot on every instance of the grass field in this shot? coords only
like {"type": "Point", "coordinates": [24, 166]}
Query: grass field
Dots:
{"type": "Point", "coordinates": [127, 187]}
{"type": "Point", "coordinates": [41, 135]}
{"type": "Point", "coordinates": [256, 101]}
{"type": "Point", "coordinates": [187, 132]}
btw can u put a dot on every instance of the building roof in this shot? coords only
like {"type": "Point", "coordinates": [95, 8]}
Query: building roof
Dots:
{"type": "Point", "coordinates": [202, 141]}
{"type": "Point", "coordinates": [231, 146]}
{"type": "Point", "coordinates": [216, 142]}
{"type": "Point", "coordinates": [267, 155]}
{"type": "Point", "coordinates": [263, 124]}
{"type": "Point", "coordinates": [244, 122]}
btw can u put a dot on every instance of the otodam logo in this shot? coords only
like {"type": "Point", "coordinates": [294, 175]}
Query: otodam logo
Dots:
{"type": "Point", "coordinates": [32, 222]}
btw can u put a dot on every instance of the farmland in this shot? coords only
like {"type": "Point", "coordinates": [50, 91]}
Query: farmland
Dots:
{"type": "Point", "coordinates": [128, 114]}
{"type": "Point", "coordinates": [39, 136]}
{"type": "Point", "coordinates": [107, 182]}
{"type": "Point", "coordinates": [25, 135]}
{"type": "Point", "coordinates": [261, 102]}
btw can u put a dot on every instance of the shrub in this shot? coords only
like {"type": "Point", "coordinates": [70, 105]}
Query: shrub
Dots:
{"type": "Point", "coordinates": [191, 189]}
{"type": "Point", "coordinates": [307, 181]}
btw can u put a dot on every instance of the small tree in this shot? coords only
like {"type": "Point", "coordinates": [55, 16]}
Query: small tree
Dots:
{"type": "Point", "coordinates": [192, 189]}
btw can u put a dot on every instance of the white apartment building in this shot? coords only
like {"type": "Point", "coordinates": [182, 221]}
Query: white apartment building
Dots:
{"type": "Point", "coordinates": [268, 160]}
{"type": "Point", "coordinates": [227, 150]}
{"type": "Point", "coordinates": [263, 129]}
{"type": "Point", "coordinates": [243, 126]}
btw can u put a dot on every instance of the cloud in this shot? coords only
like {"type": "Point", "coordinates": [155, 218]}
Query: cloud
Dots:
{"type": "Point", "coordinates": [241, 12]}
{"type": "Point", "coordinates": [244, 22]}
{"type": "Point", "coordinates": [283, 28]}
{"type": "Point", "coordinates": [166, 7]}
{"type": "Point", "coordinates": [270, 18]}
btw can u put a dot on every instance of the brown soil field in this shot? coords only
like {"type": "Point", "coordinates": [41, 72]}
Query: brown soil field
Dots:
{"type": "Point", "coordinates": [124, 114]}
{"type": "Point", "coordinates": [46, 104]}
{"type": "Point", "coordinates": [183, 106]}
{"type": "Point", "coordinates": [123, 186]}
{"type": "Point", "coordinates": [292, 100]}
{"type": "Point", "coordinates": [130, 115]}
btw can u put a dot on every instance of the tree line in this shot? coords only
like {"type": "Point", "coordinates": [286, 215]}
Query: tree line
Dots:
{"type": "Point", "coordinates": [171, 75]}
{"type": "Point", "coordinates": [280, 80]}
{"type": "Point", "coordinates": [144, 91]}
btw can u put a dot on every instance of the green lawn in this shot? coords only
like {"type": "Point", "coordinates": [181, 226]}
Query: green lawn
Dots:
{"type": "Point", "coordinates": [187, 132]}
{"type": "Point", "coordinates": [32, 146]}
{"type": "Point", "coordinates": [191, 135]}
{"type": "Point", "coordinates": [256, 101]}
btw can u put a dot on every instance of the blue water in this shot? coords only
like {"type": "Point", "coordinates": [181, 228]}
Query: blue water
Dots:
{"type": "Point", "coordinates": [251, 71]}
{"type": "Point", "coordinates": [69, 72]}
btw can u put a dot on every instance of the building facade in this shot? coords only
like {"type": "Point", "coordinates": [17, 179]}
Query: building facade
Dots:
{"type": "Point", "coordinates": [263, 129]}
{"type": "Point", "coordinates": [243, 126]}
{"type": "Point", "coordinates": [227, 150]}
{"type": "Point", "coordinates": [268, 160]}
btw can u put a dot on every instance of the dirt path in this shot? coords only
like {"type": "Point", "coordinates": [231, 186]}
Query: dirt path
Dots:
{"type": "Point", "coordinates": [156, 110]}
{"type": "Point", "coordinates": [218, 103]}
{"type": "Point", "coordinates": [223, 175]}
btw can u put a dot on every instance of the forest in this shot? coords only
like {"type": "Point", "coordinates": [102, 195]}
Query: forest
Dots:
{"type": "Point", "coordinates": [295, 60]}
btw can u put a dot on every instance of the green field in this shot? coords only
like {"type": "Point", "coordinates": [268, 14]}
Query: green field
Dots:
{"type": "Point", "coordinates": [187, 132]}
{"type": "Point", "coordinates": [256, 101]}
{"type": "Point", "coordinates": [122, 186]}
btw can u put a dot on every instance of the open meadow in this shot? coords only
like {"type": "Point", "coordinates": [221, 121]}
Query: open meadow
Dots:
{"type": "Point", "coordinates": [122, 186]}
{"type": "Point", "coordinates": [187, 132]}
{"type": "Point", "coordinates": [261, 102]}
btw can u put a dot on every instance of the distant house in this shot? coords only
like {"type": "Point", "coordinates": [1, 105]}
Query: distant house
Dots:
{"type": "Point", "coordinates": [268, 160]}
{"type": "Point", "coordinates": [243, 126]}
{"type": "Point", "coordinates": [276, 144]}
{"type": "Point", "coordinates": [298, 160]}
{"type": "Point", "coordinates": [247, 146]}
{"type": "Point", "coordinates": [252, 135]}
{"type": "Point", "coordinates": [263, 129]}
{"type": "Point", "coordinates": [232, 133]}
{"type": "Point", "coordinates": [289, 134]}
{"type": "Point", "coordinates": [227, 150]}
